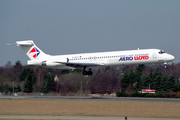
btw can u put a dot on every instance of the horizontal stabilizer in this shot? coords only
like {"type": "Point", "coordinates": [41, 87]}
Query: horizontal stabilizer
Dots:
{"type": "Point", "coordinates": [25, 43]}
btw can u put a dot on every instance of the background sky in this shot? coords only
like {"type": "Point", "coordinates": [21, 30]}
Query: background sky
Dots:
{"type": "Point", "coordinates": [83, 26]}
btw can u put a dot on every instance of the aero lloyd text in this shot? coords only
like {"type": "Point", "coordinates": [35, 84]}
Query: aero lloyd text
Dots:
{"type": "Point", "coordinates": [146, 57]}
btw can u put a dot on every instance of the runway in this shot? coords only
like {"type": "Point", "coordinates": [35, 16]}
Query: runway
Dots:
{"type": "Point", "coordinates": [94, 98]}
{"type": "Point", "coordinates": [58, 117]}
{"type": "Point", "coordinates": [120, 104]}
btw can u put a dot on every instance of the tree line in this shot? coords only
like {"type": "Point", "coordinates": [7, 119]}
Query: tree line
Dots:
{"type": "Point", "coordinates": [126, 79]}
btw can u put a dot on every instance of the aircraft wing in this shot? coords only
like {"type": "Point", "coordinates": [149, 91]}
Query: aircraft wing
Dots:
{"type": "Point", "coordinates": [80, 65]}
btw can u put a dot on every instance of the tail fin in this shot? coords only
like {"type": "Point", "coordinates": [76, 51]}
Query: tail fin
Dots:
{"type": "Point", "coordinates": [31, 50]}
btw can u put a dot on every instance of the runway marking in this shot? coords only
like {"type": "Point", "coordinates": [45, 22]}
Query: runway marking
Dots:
{"type": "Point", "coordinates": [94, 98]}
{"type": "Point", "coordinates": [55, 117]}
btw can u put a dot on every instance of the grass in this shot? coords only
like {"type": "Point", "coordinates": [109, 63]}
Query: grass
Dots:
{"type": "Point", "coordinates": [89, 108]}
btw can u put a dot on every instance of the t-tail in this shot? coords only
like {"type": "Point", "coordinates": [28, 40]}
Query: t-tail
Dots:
{"type": "Point", "coordinates": [32, 51]}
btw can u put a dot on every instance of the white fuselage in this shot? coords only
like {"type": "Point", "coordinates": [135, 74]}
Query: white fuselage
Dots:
{"type": "Point", "coordinates": [89, 60]}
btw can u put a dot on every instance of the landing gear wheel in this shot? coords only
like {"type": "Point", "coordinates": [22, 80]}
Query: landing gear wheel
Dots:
{"type": "Point", "coordinates": [90, 72]}
{"type": "Point", "coordinates": [165, 65]}
{"type": "Point", "coordinates": [85, 72]}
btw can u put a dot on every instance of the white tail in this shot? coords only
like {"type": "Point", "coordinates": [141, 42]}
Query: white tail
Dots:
{"type": "Point", "coordinates": [31, 50]}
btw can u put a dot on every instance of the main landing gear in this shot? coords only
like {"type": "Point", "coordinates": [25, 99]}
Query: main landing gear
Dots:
{"type": "Point", "coordinates": [85, 72]}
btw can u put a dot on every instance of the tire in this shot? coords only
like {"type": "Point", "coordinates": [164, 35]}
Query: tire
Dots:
{"type": "Point", "coordinates": [85, 72]}
{"type": "Point", "coordinates": [90, 72]}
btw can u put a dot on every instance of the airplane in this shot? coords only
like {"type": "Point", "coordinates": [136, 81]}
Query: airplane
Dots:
{"type": "Point", "coordinates": [86, 61]}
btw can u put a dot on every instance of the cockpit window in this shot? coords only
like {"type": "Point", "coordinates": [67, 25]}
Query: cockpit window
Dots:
{"type": "Point", "coordinates": [161, 52]}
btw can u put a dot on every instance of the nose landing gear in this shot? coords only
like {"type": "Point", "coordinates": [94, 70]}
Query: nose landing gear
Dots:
{"type": "Point", "coordinates": [165, 65]}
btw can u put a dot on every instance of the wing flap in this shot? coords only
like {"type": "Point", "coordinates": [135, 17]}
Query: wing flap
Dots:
{"type": "Point", "coordinates": [79, 65]}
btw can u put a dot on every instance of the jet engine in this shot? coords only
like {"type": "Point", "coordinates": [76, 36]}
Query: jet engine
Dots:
{"type": "Point", "coordinates": [49, 63]}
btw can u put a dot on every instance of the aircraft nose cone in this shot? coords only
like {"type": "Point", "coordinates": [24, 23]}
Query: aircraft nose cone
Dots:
{"type": "Point", "coordinates": [171, 57]}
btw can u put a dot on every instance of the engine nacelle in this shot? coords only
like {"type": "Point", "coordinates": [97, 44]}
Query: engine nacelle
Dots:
{"type": "Point", "coordinates": [34, 62]}
{"type": "Point", "coordinates": [49, 63]}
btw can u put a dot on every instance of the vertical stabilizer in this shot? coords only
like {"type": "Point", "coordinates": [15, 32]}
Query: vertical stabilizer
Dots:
{"type": "Point", "coordinates": [31, 50]}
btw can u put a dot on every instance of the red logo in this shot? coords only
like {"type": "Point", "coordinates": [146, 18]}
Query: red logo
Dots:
{"type": "Point", "coordinates": [35, 52]}
{"type": "Point", "coordinates": [146, 57]}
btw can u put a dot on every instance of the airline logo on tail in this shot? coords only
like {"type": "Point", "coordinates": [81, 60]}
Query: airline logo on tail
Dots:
{"type": "Point", "coordinates": [35, 52]}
